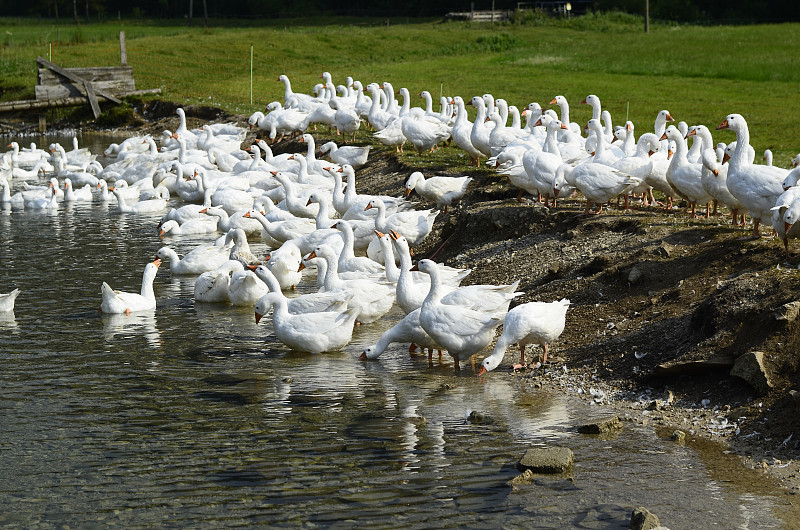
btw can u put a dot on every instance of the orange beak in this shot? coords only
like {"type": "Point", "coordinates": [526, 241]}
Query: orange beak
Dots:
{"type": "Point", "coordinates": [482, 371]}
{"type": "Point", "coordinates": [786, 227]}
{"type": "Point", "coordinates": [554, 102]}
{"type": "Point", "coordinates": [725, 158]}
{"type": "Point", "coordinates": [669, 117]}
{"type": "Point", "coordinates": [157, 262]}
{"type": "Point", "coordinates": [538, 123]}
{"type": "Point", "coordinates": [312, 255]}
{"type": "Point", "coordinates": [584, 100]}
{"type": "Point", "coordinates": [564, 126]}
{"type": "Point", "coordinates": [691, 133]}
{"type": "Point", "coordinates": [204, 210]}
{"type": "Point", "coordinates": [669, 154]}
{"type": "Point", "coordinates": [258, 317]}
{"type": "Point", "coordinates": [394, 235]}
{"type": "Point", "coordinates": [247, 214]}
{"type": "Point", "coordinates": [650, 153]}
{"type": "Point", "coordinates": [379, 233]}
{"type": "Point", "coordinates": [663, 136]}
{"type": "Point", "coordinates": [408, 192]}
{"type": "Point", "coordinates": [723, 125]}
{"type": "Point", "coordinates": [301, 267]}
{"type": "Point", "coordinates": [368, 207]}
{"type": "Point", "coordinates": [555, 193]}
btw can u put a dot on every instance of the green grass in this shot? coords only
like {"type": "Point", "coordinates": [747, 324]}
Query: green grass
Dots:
{"type": "Point", "coordinates": [700, 74]}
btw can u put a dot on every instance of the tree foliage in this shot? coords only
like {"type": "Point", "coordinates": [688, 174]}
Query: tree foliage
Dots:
{"type": "Point", "coordinates": [704, 11]}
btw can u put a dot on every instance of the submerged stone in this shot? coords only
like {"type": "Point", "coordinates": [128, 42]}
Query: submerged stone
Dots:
{"type": "Point", "coordinates": [643, 519]}
{"type": "Point", "coordinates": [602, 426]}
{"type": "Point", "coordinates": [547, 460]}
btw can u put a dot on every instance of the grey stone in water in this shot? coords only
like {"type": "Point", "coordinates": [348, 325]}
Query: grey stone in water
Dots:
{"type": "Point", "coordinates": [750, 367]}
{"type": "Point", "coordinates": [678, 436]}
{"type": "Point", "coordinates": [548, 460]}
{"type": "Point", "coordinates": [635, 275]}
{"type": "Point", "coordinates": [478, 417]}
{"type": "Point", "coordinates": [787, 312]}
{"type": "Point", "coordinates": [600, 427]}
{"type": "Point", "coordinates": [643, 519]}
{"type": "Point", "coordinates": [525, 478]}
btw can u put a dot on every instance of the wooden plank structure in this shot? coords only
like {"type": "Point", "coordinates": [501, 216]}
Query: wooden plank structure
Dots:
{"type": "Point", "coordinates": [63, 87]}
{"type": "Point", "coordinates": [480, 16]}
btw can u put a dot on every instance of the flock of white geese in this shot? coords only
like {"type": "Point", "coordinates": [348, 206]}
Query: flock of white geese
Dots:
{"type": "Point", "coordinates": [308, 211]}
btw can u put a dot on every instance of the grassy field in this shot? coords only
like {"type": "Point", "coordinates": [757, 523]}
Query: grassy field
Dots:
{"type": "Point", "coordinates": [700, 74]}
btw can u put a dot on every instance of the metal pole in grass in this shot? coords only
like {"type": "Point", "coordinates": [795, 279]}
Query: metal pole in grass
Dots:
{"type": "Point", "coordinates": [441, 93]}
{"type": "Point", "coordinates": [251, 74]}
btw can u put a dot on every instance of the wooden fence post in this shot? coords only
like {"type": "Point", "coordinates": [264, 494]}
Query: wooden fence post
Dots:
{"type": "Point", "coordinates": [123, 50]}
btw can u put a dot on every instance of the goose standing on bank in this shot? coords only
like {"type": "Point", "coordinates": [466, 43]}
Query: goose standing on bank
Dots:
{"type": "Point", "coordinates": [531, 323]}
{"type": "Point", "coordinates": [757, 187]}
{"type": "Point", "coordinates": [441, 190]}
{"type": "Point", "coordinates": [463, 332]}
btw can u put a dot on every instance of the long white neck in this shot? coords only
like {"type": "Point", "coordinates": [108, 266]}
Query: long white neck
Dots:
{"type": "Point", "coordinates": [147, 283]}
{"type": "Point", "coordinates": [740, 158]}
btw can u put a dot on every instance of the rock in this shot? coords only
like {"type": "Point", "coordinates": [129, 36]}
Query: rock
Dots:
{"type": "Point", "coordinates": [678, 436]}
{"type": "Point", "coordinates": [287, 380]}
{"type": "Point", "coordinates": [525, 478]}
{"type": "Point", "coordinates": [693, 367]}
{"type": "Point", "coordinates": [635, 275]}
{"type": "Point", "coordinates": [750, 367]}
{"type": "Point", "coordinates": [643, 519]}
{"type": "Point", "coordinates": [664, 250]}
{"type": "Point", "coordinates": [600, 427]}
{"type": "Point", "coordinates": [787, 312]}
{"type": "Point", "coordinates": [668, 397]}
{"type": "Point", "coordinates": [795, 397]}
{"type": "Point", "coordinates": [478, 417]}
{"type": "Point", "coordinates": [547, 460]}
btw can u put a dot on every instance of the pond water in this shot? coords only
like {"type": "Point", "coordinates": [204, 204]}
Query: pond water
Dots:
{"type": "Point", "coordinates": [193, 415]}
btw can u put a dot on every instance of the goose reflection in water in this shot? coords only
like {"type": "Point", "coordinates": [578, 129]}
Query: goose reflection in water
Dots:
{"type": "Point", "coordinates": [139, 324]}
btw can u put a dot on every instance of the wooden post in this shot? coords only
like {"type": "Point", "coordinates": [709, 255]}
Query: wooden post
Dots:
{"type": "Point", "coordinates": [647, 16]}
{"type": "Point", "coordinates": [123, 50]}
{"type": "Point", "coordinates": [205, 13]}
{"type": "Point", "coordinates": [191, 8]}
{"type": "Point", "coordinates": [42, 123]}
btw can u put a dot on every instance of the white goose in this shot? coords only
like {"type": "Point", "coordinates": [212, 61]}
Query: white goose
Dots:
{"type": "Point", "coordinates": [200, 259]}
{"type": "Point", "coordinates": [415, 225]}
{"type": "Point", "coordinates": [462, 131]}
{"type": "Point", "coordinates": [463, 332]}
{"type": "Point", "coordinates": [373, 299]}
{"type": "Point", "coordinates": [192, 227]}
{"type": "Point", "coordinates": [599, 183]}
{"type": "Point", "coordinates": [311, 332]}
{"type": "Point", "coordinates": [304, 303]}
{"type": "Point", "coordinates": [7, 301]}
{"type": "Point", "coordinates": [123, 302]}
{"type": "Point", "coordinates": [685, 177]}
{"type": "Point", "coordinates": [786, 213]}
{"type": "Point", "coordinates": [81, 194]}
{"type": "Point", "coordinates": [352, 155]}
{"type": "Point", "coordinates": [141, 207]}
{"type": "Point", "coordinates": [212, 286]}
{"type": "Point", "coordinates": [245, 288]}
{"type": "Point", "coordinates": [441, 190]}
{"type": "Point", "coordinates": [531, 323]}
{"type": "Point", "coordinates": [757, 187]}
{"type": "Point", "coordinates": [715, 174]}
{"type": "Point", "coordinates": [408, 330]}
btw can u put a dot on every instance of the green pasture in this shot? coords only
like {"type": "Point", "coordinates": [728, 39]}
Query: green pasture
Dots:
{"type": "Point", "coordinates": [700, 74]}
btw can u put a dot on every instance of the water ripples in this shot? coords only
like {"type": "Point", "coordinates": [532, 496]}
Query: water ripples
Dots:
{"type": "Point", "coordinates": [195, 416]}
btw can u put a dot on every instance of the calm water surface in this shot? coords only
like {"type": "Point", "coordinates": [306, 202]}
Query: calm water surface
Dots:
{"type": "Point", "coordinates": [193, 415]}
